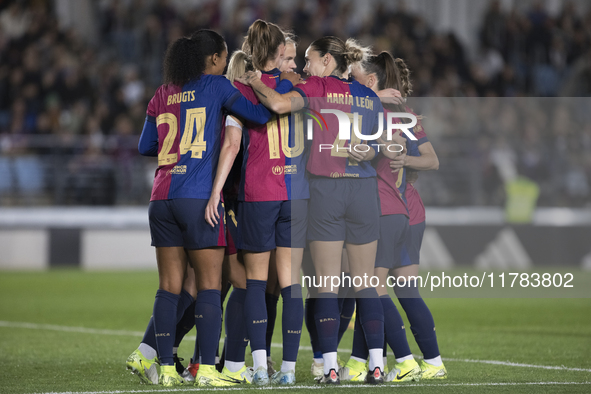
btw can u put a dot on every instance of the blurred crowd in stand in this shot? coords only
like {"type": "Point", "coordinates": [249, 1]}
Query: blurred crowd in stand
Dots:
{"type": "Point", "coordinates": [71, 110]}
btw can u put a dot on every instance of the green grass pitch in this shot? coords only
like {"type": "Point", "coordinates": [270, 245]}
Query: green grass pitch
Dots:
{"type": "Point", "coordinates": [52, 354]}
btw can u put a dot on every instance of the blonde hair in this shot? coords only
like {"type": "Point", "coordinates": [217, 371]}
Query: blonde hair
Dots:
{"type": "Point", "coordinates": [291, 38]}
{"type": "Point", "coordinates": [239, 64]}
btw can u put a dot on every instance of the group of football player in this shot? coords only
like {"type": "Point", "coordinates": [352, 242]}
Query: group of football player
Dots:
{"type": "Point", "coordinates": [244, 198]}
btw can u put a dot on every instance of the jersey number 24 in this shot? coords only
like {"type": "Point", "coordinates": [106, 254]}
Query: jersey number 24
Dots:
{"type": "Point", "coordinates": [194, 118]}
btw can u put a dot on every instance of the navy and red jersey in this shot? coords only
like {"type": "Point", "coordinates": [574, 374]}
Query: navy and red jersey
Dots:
{"type": "Point", "coordinates": [418, 131]}
{"type": "Point", "coordinates": [392, 185]}
{"type": "Point", "coordinates": [350, 97]}
{"type": "Point", "coordinates": [183, 127]}
{"type": "Point", "coordinates": [416, 209]}
{"type": "Point", "coordinates": [273, 166]}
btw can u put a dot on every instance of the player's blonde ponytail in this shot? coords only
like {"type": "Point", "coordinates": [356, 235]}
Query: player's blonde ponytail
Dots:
{"type": "Point", "coordinates": [240, 63]}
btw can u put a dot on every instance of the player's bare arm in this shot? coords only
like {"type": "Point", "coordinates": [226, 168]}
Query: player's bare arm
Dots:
{"type": "Point", "coordinates": [292, 77]}
{"type": "Point", "coordinates": [230, 149]}
{"type": "Point", "coordinates": [426, 161]}
{"type": "Point", "coordinates": [278, 103]}
{"type": "Point", "coordinates": [393, 153]}
{"type": "Point", "coordinates": [360, 152]}
{"type": "Point", "coordinates": [390, 96]}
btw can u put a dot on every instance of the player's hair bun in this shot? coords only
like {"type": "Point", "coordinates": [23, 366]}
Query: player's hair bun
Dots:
{"type": "Point", "coordinates": [344, 53]}
{"type": "Point", "coordinates": [354, 52]}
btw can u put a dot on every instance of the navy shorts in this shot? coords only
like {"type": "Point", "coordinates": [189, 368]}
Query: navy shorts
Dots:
{"type": "Point", "coordinates": [411, 251]}
{"type": "Point", "coordinates": [265, 225]}
{"type": "Point", "coordinates": [394, 231]}
{"type": "Point", "coordinates": [344, 209]}
{"type": "Point", "coordinates": [181, 222]}
{"type": "Point", "coordinates": [299, 223]}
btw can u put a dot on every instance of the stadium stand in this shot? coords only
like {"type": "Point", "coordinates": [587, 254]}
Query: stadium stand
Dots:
{"type": "Point", "coordinates": [78, 106]}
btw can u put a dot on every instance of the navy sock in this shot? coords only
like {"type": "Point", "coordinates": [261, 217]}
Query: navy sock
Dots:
{"type": "Point", "coordinates": [165, 311]}
{"type": "Point", "coordinates": [150, 335]}
{"type": "Point", "coordinates": [208, 320]}
{"type": "Point", "coordinates": [236, 326]}
{"type": "Point", "coordinates": [371, 315]}
{"type": "Point", "coordinates": [185, 315]}
{"type": "Point", "coordinates": [197, 352]}
{"type": "Point", "coordinates": [255, 314]}
{"type": "Point", "coordinates": [420, 319]}
{"type": "Point", "coordinates": [271, 303]}
{"type": "Point", "coordinates": [309, 311]}
{"type": "Point", "coordinates": [395, 332]}
{"type": "Point", "coordinates": [184, 323]}
{"type": "Point", "coordinates": [327, 321]}
{"type": "Point", "coordinates": [360, 349]}
{"type": "Point", "coordinates": [344, 290]}
{"type": "Point", "coordinates": [291, 321]}
{"type": "Point", "coordinates": [347, 310]}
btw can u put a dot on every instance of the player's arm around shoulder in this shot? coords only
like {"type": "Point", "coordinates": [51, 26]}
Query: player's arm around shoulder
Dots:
{"type": "Point", "coordinates": [428, 159]}
{"type": "Point", "coordinates": [394, 149]}
{"type": "Point", "coordinates": [276, 102]}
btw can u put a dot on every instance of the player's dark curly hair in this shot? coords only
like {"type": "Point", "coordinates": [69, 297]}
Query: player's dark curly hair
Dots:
{"type": "Point", "coordinates": [186, 58]}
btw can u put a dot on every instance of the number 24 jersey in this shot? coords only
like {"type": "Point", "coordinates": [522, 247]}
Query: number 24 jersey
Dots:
{"type": "Point", "coordinates": [186, 137]}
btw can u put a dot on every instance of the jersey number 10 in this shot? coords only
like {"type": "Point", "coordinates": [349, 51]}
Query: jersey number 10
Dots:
{"type": "Point", "coordinates": [273, 136]}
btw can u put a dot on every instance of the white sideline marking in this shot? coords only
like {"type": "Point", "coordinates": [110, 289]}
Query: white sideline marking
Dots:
{"type": "Point", "coordinates": [343, 386]}
{"type": "Point", "coordinates": [84, 330]}
{"type": "Point", "coordinates": [510, 364]}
